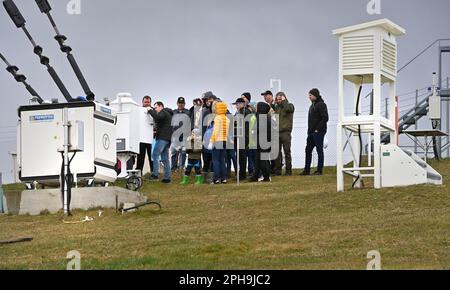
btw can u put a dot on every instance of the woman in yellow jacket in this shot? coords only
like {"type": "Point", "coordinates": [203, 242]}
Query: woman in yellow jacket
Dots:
{"type": "Point", "coordinates": [218, 142]}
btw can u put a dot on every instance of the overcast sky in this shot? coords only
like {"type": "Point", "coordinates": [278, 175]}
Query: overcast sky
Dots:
{"type": "Point", "coordinates": [172, 48]}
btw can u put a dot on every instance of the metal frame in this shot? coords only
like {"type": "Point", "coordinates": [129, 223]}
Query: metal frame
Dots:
{"type": "Point", "coordinates": [445, 95]}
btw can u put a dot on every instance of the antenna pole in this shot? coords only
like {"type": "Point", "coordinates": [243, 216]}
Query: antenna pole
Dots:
{"type": "Point", "coordinates": [19, 21]}
{"type": "Point", "coordinates": [12, 69]}
{"type": "Point", "coordinates": [45, 8]}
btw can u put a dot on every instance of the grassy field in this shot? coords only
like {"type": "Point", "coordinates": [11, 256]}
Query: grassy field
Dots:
{"type": "Point", "coordinates": [293, 223]}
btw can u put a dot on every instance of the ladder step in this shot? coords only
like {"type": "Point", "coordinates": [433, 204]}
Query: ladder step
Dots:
{"type": "Point", "coordinates": [433, 176]}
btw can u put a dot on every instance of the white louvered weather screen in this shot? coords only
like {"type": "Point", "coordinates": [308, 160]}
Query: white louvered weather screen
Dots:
{"type": "Point", "coordinates": [358, 52]}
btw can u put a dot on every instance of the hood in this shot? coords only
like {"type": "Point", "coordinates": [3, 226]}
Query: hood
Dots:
{"type": "Point", "coordinates": [221, 109]}
{"type": "Point", "coordinates": [262, 108]}
{"type": "Point", "coordinates": [168, 111]}
{"type": "Point", "coordinates": [319, 100]}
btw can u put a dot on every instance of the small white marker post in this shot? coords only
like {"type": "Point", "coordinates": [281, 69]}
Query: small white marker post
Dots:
{"type": "Point", "coordinates": [239, 135]}
{"type": "Point", "coordinates": [2, 209]}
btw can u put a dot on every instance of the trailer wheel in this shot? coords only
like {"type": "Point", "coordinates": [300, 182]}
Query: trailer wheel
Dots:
{"type": "Point", "coordinates": [134, 183]}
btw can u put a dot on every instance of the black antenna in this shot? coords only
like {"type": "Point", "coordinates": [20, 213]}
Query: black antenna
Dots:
{"type": "Point", "coordinates": [12, 69]}
{"type": "Point", "coordinates": [45, 8]}
{"type": "Point", "coordinates": [19, 21]}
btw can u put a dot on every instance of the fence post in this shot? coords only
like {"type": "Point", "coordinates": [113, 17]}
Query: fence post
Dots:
{"type": "Point", "coordinates": [416, 126]}
{"type": "Point", "coordinates": [2, 208]}
{"type": "Point", "coordinates": [447, 119]}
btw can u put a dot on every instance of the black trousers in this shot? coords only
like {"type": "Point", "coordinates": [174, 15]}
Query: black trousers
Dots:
{"type": "Point", "coordinates": [243, 153]}
{"type": "Point", "coordinates": [262, 167]}
{"type": "Point", "coordinates": [315, 140]}
{"type": "Point", "coordinates": [207, 161]}
{"type": "Point", "coordinates": [144, 148]}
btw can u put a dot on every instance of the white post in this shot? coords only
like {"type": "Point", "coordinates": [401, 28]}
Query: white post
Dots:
{"type": "Point", "coordinates": [416, 125]}
{"type": "Point", "coordinates": [2, 207]}
{"type": "Point", "coordinates": [340, 159]}
{"type": "Point", "coordinates": [377, 129]}
{"type": "Point", "coordinates": [369, 153]}
{"type": "Point", "coordinates": [356, 141]}
{"type": "Point", "coordinates": [14, 166]}
{"type": "Point", "coordinates": [391, 117]}
{"type": "Point", "coordinates": [340, 128]}
{"type": "Point", "coordinates": [237, 163]}
{"type": "Point", "coordinates": [66, 161]}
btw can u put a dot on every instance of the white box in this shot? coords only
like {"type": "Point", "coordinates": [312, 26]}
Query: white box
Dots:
{"type": "Point", "coordinates": [435, 108]}
{"type": "Point", "coordinates": [41, 133]}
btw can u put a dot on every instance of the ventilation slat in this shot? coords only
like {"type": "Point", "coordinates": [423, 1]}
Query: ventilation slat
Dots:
{"type": "Point", "coordinates": [358, 52]}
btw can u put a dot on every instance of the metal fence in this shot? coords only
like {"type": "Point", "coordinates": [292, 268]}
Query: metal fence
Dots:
{"type": "Point", "coordinates": [2, 207]}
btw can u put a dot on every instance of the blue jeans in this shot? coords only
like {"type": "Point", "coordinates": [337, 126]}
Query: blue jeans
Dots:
{"type": "Point", "coordinates": [315, 140]}
{"type": "Point", "coordinates": [161, 149]}
{"type": "Point", "coordinates": [231, 160]}
{"type": "Point", "coordinates": [251, 160]}
{"type": "Point", "coordinates": [178, 158]}
{"type": "Point", "coordinates": [219, 164]}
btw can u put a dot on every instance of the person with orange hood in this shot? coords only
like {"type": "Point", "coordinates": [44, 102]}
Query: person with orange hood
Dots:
{"type": "Point", "coordinates": [218, 142]}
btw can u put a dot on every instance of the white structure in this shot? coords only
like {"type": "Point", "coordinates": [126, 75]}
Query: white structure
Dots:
{"type": "Point", "coordinates": [41, 138]}
{"type": "Point", "coordinates": [368, 57]}
{"type": "Point", "coordinates": [134, 126]}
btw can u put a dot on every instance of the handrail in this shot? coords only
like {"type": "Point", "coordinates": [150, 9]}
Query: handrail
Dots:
{"type": "Point", "coordinates": [422, 52]}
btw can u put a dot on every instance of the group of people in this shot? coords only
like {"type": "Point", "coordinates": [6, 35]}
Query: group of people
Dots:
{"type": "Point", "coordinates": [254, 139]}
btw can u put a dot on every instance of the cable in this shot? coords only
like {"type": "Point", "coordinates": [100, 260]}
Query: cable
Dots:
{"type": "Point", "coordinates": [359, 133]}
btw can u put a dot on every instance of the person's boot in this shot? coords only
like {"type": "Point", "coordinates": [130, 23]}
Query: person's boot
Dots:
{"type": "Point", "coordinates": [199, 180]}
{"type": "Point", "coordinates": [185, 180]}
{"type": "Point", "coordinates": [318, 172]}
{"type": "Point", "coordinates": [305, 173]}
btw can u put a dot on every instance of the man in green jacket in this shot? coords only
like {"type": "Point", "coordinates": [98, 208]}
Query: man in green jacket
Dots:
{"type": "Point", "coordinates": [285, 110]}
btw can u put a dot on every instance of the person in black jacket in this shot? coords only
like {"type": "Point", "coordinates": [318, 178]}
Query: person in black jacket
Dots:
{"type": "Point", "coordinates": [263, 123]}
{"type": "Point", "coordinates": [178, 147]}
{"type": "Point", "coordinates": [317, 129]}
{"type": "Point", "coordinates": [207, 118]}
{"type": "Point", "coordinates": [163, 122]}
{"type": "Point", "coordinates": [241, 120]}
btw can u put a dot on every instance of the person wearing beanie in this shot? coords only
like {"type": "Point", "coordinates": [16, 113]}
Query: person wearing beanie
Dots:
{"type": "Point", "coordinates": [263, 123]}
{"type": "Point", "coordinates": [194, 151]}
{"type": "Point", "coordinates": [242, 119]}
{"type": "Point", "coordinates": [218, 142]}
{"type": "Point", "coordinates": [285, 111]}
{"type": "Point", "coordinates": [317, 129]}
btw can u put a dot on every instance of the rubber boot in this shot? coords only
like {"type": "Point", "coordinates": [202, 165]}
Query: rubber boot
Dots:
{"type": "Point", "coordinates": [199, 180]}
{"type": "Point", "coordinates": [185, 180]}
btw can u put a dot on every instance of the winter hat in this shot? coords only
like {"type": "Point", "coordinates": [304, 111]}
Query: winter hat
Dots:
{"type": "Point", "coordinates": [248, 96]}
{"type": "Point", "coordinates": [315, 93]}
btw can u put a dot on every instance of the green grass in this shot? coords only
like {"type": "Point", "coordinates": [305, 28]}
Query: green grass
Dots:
{"type": "Point", "coordinates": [293, 223]}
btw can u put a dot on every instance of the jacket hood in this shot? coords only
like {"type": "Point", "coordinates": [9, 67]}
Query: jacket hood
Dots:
{"type": "Point", "coordinates": [221, 109]}
{"type": "Point", "coordinates": [319, 100]}
{"type": "Point", "coordinates": [168, 111]}
{"type": "Point", "coordinates": [262, 108]}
